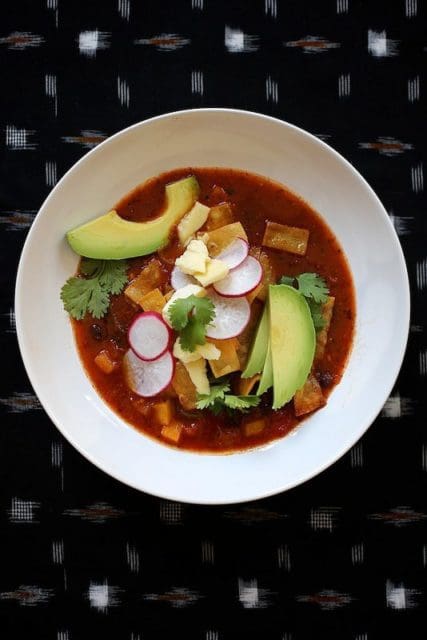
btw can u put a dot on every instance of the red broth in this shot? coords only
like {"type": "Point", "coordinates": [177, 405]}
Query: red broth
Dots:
{"type": "Point", "coordinates": [254, 200]}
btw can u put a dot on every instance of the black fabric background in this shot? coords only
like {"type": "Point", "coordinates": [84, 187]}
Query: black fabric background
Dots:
{"type": "Point", "coordinates": [343, 556]}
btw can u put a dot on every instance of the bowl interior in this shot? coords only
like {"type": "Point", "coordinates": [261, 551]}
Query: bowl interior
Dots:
{"type": "Point", "coordinates": [214, 137]}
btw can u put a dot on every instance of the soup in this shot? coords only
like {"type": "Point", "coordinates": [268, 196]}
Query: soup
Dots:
{"type": "Point", "coordinates": [236, 328]}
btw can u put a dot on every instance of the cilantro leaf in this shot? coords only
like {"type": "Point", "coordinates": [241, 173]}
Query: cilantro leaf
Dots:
{"type": "Point", "coordinates": [80, 295]}
{"type": "Point", "coordinates": [311, 285]}
{"type": "Point", "coordinates": [219, 399]}
{"type": "Point", "coordinates": [314, 289]}
{"type": "Point", "coordinates": [90, 267]}
{"type": "Point", "coordinates": [99, 300]}
{"type": "Point", "coordinates": [192, 334]}
{"type": "Point", "coordinates": [92, 294]}
{"type": "Point", "coordinates": [316, 314]}
{"type": "Point", "coordinates": [217, 393]}
{"type": "Point", "coordinates": [190, 316]}
{"type": "Point", "coordinates": [113, 276]}
{"type": "Point", "coordinates": [241, 403]}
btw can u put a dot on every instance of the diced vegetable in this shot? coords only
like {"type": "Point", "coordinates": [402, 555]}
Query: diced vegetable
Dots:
{"type": "Point", "coordinates": [194, 258]}
{"type": "Point", "coordinates": [172, 432]}
{"type": "Point", "coordinates": [162, 412]}
{"type": "Point", "coordinates": [268, 275]}
{"type": "Point", "coordinates": [153, 301]}
{"type": "Point", "coordinates": [245, 385]}
{"type": "Point", "coordinates": [219, 216]}
{"type": "Point", "coordinates": [149, 335]}
{"type": "Point", "coordinates": [192, 221]}
{"type": "Point", "coordinates": [309, 398]}
{"type": "Point", "coordinates": [219, 239]}
{"type": "Point", "coordinates": [254, 427]}
{"type": "Point", "coordinates": [207, 351]}
{"type": "Point", "coordinates": [231, 317]}
{"type": "Point", "coordinates": [197, 372]}
{"type": "Point", "coordinates": [215, 270]}
{"type": "Point", "coordinates": [285, 238]}
{"type": "Point", "coordinates": [150, 278]}
{"type": "Point", "coordinates": [184, 387]}
{"type": "Point", "coordinates": [228, 360]}
{"type": "Point", "coordinates": [322, 335]}
{"type": "Point", "coordinates": [148, 378]}
{"type": "Point", "coordinates": [104, 361]}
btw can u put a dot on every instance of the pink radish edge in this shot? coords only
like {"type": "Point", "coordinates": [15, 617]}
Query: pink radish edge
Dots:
{"type": "Point", "coordinates": [131, 341]}
{"type": "Point", "coordinates": [239, 249]}
{"type": "Point", "coordinates": [134, 366]}
{"type": "Point", "coordinates": [228, 286]}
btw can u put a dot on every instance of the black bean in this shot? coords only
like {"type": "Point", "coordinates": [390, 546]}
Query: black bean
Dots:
{"type": "Point", "coordinates": [325, 378]}
{"type": "Point", "coordinates": [97, 331]}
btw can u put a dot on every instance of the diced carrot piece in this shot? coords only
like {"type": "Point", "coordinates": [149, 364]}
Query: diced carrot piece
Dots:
{"type": "Point", "coordinates": [104, 361]}
{"type": "Point", "coordinates": [254, 427]}
{"type": "Point", "coordinates": [309, 397]}
{"type": "Point", "coordinates": [322, 335]}
{"type": "Point", "coordinates": [245, 385]}
{"type": "Point", "coordinates": [153, 301]}
{"type": "Point", "coordinates": [220, 238]}
{"type": "Point", "coordinates": [285, 238]}
{"type": "Point", "coordinates": [172, 432]}
{"type": "Point", "coordinates": [162, 412]}
{"type": "Point", "coordinates": [150, 277]}
{"type": "Point", "coordinates": [228, 360]}
{"type": "Point", "coordinates": [219, 216]}
{"type": "Point", "coordinates": [184, 387]}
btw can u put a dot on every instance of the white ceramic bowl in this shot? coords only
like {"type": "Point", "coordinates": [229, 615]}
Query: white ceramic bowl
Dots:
{"type": "Point", "coordinates": [214, 137]}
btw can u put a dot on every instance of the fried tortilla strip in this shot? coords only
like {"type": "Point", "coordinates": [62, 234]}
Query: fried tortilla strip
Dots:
{"type": "Point", "coordinates": [322, 335]}
{"type": "Point", "coordinates": [309, 398]}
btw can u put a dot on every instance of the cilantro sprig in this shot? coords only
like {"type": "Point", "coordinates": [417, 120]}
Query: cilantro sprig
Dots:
{"type": "Point", "coordinates": [219, 399]}
{"type": "Point", "coordinates": [314, 289]}
{"type": "Point", "coordinates": [190, 317]}
{"type": "Point", "coordinates": [91, 294]}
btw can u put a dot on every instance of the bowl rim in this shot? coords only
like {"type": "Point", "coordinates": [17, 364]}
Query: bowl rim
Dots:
{"type": "Point", "coordinates": [405, 309]}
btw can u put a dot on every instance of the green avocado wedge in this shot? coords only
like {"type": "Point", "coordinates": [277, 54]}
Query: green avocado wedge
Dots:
{"type": "Point", "coordinates": [258, 350]}
{"type": "Point", "coordinates": [292, 342]}
{"type": "Point", "coordinates": [267, 373]}
{"type": "Point", "coordinates": [110, 237]}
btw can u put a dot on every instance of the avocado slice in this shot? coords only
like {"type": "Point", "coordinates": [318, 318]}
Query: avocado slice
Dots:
{"type": "Point", "coordinates": [292, 340]}
{"type": "Point", "coordinates": [258, 350]}
{"type": "Point", "coordinates": [267, 374]}
{"type": "Point", "coordinates": [110, 237]}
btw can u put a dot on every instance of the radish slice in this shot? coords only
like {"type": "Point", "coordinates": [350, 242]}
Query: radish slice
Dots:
{"type": "Point", "coordinates": [231, 316]}
{"type": "Point", "coordinates": [180, 279]}
{"type": "Point", "coordinates": [145, 378]}
{"type": "Point", "coordinates": [235, 253]}
{"type": "Point", "coordinates": [241, 280]}
{"type": "Point", "coordinates": [149, 335]}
